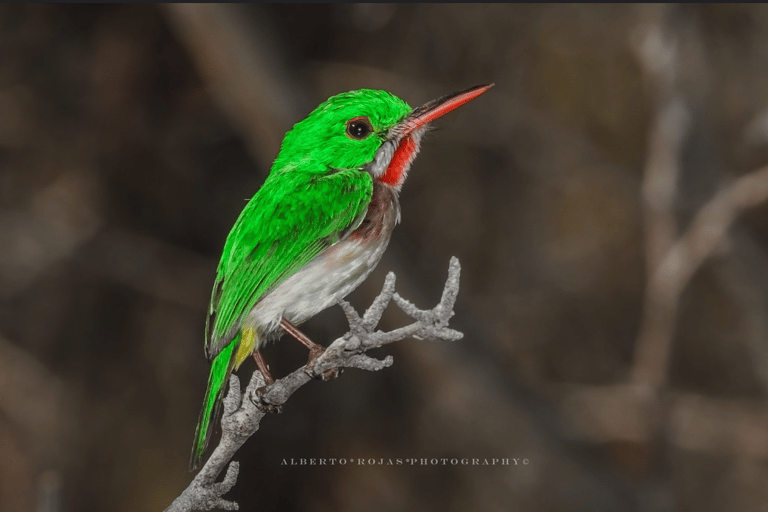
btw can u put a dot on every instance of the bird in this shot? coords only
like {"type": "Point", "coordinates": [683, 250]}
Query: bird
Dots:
{"type": "Point", "coordinates": [314, 231]}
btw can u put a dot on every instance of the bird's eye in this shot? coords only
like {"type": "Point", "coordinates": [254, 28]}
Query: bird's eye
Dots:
{"type": "Point", "coordinates": [359, 128]}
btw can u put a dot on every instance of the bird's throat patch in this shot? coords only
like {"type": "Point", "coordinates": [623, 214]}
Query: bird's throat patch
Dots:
{"type": "Point", "coordinates": [401, 161]}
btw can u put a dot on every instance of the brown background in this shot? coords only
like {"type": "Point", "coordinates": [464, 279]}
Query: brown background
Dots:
{"type": "Point", "coordinates": [130, 137]}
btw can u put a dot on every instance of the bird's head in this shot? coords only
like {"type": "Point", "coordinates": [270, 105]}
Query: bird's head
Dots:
{"type": "Point", "coordinates": [365, 129]}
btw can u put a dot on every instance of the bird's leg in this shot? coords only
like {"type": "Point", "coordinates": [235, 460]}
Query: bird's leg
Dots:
{"type": "Point", "coordinates": [258, 400]}
{"type": "Point", "coordinates": [263, 368]}
{"type": "Point", "coordinates": [315, 350]}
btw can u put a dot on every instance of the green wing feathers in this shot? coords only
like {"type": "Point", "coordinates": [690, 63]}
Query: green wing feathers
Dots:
{"type": "Point", "coordinates": [220, 372]}
{"type": "Point", "coordinates": [290, 220]}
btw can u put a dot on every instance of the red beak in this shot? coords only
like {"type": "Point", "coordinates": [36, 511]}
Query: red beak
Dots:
{"type": "Point", "coordinates": [439, 107]}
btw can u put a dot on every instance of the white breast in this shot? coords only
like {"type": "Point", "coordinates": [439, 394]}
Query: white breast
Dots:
{"type": "Point", "coordinates": [334, 273]}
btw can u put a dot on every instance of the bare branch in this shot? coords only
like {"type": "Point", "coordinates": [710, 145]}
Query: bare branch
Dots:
{"type": "Point", "coordinates": [243, 412]}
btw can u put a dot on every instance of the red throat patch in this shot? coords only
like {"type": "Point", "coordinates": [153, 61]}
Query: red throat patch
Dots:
{"type": "Point", "coordinates": [404, 153]}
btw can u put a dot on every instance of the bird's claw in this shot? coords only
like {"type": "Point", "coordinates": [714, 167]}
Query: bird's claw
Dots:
{"type": "Point", "coordinates": [325, 376]}
{"type": "Point", "coordinates": [261, 404]}
{"type": "Point", "coordinates": [314, 353]}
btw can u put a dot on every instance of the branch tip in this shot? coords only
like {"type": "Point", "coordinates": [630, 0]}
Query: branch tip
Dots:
{"type": "Point", "coordinates": [353, 318]}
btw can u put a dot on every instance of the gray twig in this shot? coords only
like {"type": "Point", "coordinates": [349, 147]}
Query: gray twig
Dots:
{"type": "Point", "coordinates": [243, 411]}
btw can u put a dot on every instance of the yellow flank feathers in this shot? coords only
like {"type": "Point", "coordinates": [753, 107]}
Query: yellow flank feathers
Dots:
{"type": "Point", "coordinates": [247, 342]}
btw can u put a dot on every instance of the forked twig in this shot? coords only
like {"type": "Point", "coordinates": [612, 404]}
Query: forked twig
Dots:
{"type": "Point", "coordinates": [243, 411]}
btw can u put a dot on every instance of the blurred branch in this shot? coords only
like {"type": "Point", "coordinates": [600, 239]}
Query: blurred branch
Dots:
{"type": "Point", "coordinates": [32, 398]}
{"type": "Point", "coordinates": [708, 229]}
{"type": "Point", "coordinates": [604, 414]}
{"type": "Point", "coordinates": [35, 401]}
{"type": "Point", "coordinates": [744, 277]}
{"type": "Point", "coordinates": [150, 265]}
{"type": "Point", "coordinates": [671, 260]}
{"type": "Point", "coordinates": [243, 412]}
{"type": "Point", "coordinates": [241, 63]}
{"type": "Point", "coordinates": [62, 217]}
{"type": "Point", "coordinates": [683, 259]}
{"type": "Point", "coordinates": [657, 52]}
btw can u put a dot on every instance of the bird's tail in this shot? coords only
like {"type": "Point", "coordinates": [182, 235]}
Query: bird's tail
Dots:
{"type": "Point", "coordinates": [221, 369]}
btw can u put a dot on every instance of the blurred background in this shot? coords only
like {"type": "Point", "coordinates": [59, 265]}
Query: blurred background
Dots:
{"type": "Point", "coordinates": [605, 199]}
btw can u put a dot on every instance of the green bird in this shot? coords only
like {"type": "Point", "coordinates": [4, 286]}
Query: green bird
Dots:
{"type": "Point", "coordinates": [315, 229]}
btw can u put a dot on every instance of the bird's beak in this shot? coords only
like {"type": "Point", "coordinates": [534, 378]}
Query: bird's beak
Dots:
{"type": "Point", "coordinates": [430, 111]}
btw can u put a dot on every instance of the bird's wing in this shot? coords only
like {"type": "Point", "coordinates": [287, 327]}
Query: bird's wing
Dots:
{"type": "Point", "coordinates": [290, 220]}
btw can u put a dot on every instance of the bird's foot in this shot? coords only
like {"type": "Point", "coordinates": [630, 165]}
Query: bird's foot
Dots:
{"type": "Point", "coordinates": [314, 353]}
{"type": "Point", "coordinates": [325, 376]}
{"type": "Point", "coordinates": [261, 403]}
{"type": "Point", "coordinates": [263, 367]}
